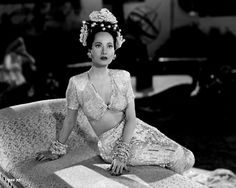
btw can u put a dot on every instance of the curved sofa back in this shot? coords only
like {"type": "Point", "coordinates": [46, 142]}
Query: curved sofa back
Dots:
{"type": "Point", "coordinates": [29, 128]}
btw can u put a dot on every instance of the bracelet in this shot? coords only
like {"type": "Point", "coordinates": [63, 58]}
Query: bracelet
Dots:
{"type": "Point", "coordinates": [58, 148]}
{"type": "Point", "coordinates": [121, 151]}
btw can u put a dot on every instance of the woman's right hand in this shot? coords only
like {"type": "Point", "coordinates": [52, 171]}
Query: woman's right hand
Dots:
{"type": "Point", "coordinates": [46, 156]}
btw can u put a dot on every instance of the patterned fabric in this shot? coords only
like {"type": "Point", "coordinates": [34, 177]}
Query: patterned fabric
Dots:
{"type": "Point", "coordinates": [81, 95]}
{"type": "Point", "coordinates": [148, 147]}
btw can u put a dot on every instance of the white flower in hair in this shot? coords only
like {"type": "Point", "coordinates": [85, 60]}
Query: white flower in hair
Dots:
{"type": "Point", "coordinates": [103, 15]}
{"type": "Point", "coordinates": [83, 34]}
{"type": "Point", "coordinates": [119, 40]}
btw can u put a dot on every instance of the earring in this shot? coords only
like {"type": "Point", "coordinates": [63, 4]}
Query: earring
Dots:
{"type": "Point", "coordinates": [114, 57]}
{"type": "Point", "coordinates": [89, 55]}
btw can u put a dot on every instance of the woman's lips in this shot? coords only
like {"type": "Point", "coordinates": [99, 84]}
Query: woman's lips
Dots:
{"type": "Point", "coordinates": [103, 58]}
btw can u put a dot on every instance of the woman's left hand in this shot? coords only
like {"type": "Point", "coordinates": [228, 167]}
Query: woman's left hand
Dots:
{"type": "Point", "coordinates": [117, 167]}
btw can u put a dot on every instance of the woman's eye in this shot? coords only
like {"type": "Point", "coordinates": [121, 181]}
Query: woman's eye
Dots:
{"type": "Point", "coordinates": [97, 45]}
{"type": "Point", "coordinates": [110, 46]}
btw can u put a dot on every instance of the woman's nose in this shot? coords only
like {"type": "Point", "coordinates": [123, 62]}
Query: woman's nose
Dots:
{"type": "Point", "coordinates": [104, 50]}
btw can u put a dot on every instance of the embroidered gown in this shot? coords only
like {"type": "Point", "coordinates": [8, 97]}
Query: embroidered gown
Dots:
{"type": "Point", "coordinates": [148, 145]}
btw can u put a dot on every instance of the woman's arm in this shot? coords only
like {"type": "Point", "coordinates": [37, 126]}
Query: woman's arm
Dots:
{"type": "Point", "coordinates": [130, 122]}
{"type": "Point", "coordinates": [73, 105]}
{"type": "Point", "coordinates": [68, 125]}
{"type": "Point", "coordinates": [58, 147]}
{"type": "Point", "coordinates": [122, 149]}
{"type": "Point", "coordinates": [130, 113]}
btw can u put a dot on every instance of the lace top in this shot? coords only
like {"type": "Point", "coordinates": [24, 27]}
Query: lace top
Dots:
{"type": "Point", "coordinates": [81, 95]}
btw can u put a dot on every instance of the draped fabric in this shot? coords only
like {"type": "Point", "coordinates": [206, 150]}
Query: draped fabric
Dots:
{"type": "Point", "coordinates": [148, 147]}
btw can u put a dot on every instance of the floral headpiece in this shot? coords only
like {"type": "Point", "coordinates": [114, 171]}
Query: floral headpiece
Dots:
{"type": "Point", "coordinates": [103, 19]}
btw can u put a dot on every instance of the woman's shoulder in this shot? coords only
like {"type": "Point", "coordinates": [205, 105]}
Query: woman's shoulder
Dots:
{"type": "Point", "coordinates": [80, 80]}
{"type": "Point", "coordinates": [121, 78]}
{"type": "Point", "coordinates": [120, 73]}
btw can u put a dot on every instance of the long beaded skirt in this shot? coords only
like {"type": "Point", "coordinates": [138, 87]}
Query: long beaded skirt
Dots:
{"type": "Point", "coordinates": [148, 147]}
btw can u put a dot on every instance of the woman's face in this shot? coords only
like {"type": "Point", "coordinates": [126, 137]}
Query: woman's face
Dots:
{"type": "Point", "coordinates": [102, 52]}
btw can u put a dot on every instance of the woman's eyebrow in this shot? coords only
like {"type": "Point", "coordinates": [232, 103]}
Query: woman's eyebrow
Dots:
{"type": "Point", "coordinates": [108, 43]}
{"type": "Point", "coordinates": [97, 42]}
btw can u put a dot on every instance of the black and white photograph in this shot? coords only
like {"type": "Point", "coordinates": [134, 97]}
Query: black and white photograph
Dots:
{"type": "Point", "coordinates": [117, 94]}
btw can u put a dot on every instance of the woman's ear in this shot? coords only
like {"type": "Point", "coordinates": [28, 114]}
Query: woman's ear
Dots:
{"type": "Point", "coordinates": [89, 54]}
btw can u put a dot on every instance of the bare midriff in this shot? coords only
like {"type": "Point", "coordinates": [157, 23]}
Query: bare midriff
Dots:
{"type": "Point", "coordinates": [108, 121]}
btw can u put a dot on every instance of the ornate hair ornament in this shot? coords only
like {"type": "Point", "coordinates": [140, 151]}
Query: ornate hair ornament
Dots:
{"type": "Point", "coordinates": [103, 19]}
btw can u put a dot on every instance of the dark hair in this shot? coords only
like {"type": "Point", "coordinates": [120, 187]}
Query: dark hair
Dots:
{"type": "Point", "coordinates": [101, 27]}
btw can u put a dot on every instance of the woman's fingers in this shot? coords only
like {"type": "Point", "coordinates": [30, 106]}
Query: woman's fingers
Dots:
{"type": "Point", "coordinates": [46, 156]}
{"type": "Point", "coordinates": [120, 170]}
{"type": "Point", "coordinates": [117, 168]}
{"type": "Point", "coordinates": [110, 167]}
{"type": "Point", "coordinates": [114, 168]}
{"type": "Point", "coordinates": [39, 157]}
{"type": "Point", "coordinates": [126, 168]}
{"type": "Point", "coordinates": [42, 158]}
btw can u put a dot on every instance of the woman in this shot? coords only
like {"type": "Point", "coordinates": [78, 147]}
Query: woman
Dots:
{"type": "Point", "coordinates": [105, 96]}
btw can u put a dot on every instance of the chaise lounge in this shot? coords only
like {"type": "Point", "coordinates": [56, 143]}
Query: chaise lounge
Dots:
{"type": "Point", "coordinates": [29, 128]}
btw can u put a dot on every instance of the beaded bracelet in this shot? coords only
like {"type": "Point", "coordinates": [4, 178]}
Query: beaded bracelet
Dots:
{"type": "Point", "coordinates": [58, 148]}
{"type": "Point", "coordinates": [121, 151]}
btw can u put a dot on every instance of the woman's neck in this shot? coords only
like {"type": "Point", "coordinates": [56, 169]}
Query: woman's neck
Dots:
{"type": "Point", "coordinates": [98, 72]}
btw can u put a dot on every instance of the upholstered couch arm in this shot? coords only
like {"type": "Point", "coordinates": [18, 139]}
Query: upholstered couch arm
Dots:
{"type": "Point", "coordinates": [27, 129]}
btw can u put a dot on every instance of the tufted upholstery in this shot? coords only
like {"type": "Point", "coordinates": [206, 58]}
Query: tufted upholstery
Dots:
{"type": "Point", "coordinates": [29, 128]}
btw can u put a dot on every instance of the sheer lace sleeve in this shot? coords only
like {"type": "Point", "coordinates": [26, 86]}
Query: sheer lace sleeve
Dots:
{"type": "Point", "coordinates": [72, 101]}
{"type": "Point", "coordinates": [129, 90]}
